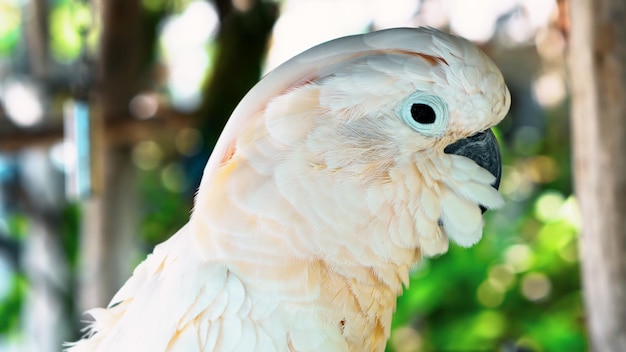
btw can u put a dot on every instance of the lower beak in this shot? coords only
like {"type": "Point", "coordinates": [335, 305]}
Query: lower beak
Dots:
{"type": "Point", "coordinates": [484, 150]}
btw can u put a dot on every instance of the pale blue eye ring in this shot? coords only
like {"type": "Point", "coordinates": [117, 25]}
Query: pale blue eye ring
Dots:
{"type": "Point", "coordinates": [425, 113]}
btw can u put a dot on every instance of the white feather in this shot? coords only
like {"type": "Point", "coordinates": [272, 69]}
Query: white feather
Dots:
{"type": "Point", "coordinates": [462, 220]}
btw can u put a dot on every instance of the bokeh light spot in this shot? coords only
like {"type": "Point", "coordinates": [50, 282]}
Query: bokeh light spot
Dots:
{"type": "Point", "coordinates": [515, 184]}
{"type": "Point", "coordinates": [541, 169]}
{"type": "Point", "coordinates": [570, 212]}
{"type": "Point", "coordinates": [147, 155]}
{"type": "Point", "coordinates": [144, 106]}
{"type": "Point", "coordinates": [22, 102]}
{"type": "Point", "coordinates": [490, 324]}
{"type": "Point", "coordinates": [173, 178]}
{"type": "Point", "coordinates": [490, 295]}
{"type": "Point", "coordinates": [405, 339]}
{"type": "Point", "coordinates": [188, 141]}
{"type": "Point", "coordinates": [397, 13]}
{"type": "Point", "coordinates": [536, 286]}
{"type": "Point", "coordinates": [548, 205]}
{"type": "Point", "coordinates": [502, 276]}
{"type": "Point", "coordinates": [184, 41]}
{"type": "Point", "coordinates": [526, 343]}
{"type": "Point", "coordinates": [10, 21]}
{"type": "Point", "coordinates": [519, 257]}
{"type": "Point", "coordinates": [549, 89]}
{"type": "Point", "coordinates": [569, 252]}
{"type": "Point", "coordinates": [60, 156]}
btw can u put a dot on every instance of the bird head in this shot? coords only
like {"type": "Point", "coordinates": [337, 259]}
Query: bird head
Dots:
{"type": "Point", "coordinates": [375, 143]}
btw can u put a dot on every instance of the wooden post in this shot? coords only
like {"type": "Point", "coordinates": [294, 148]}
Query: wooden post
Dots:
{"type": "Point", "coordinates": [37, 38]}
{"type": "Point", "coordinates": [109, 217]}
{"type": "Point", "coordinates": [597, 60]}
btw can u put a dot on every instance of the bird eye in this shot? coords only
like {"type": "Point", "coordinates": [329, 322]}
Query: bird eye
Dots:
{"type": "Point", "coordinates": [425, 113]}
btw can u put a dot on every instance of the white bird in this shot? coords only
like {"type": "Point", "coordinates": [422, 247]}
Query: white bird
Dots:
{"type": "Point", "coordinates": [335, 174]}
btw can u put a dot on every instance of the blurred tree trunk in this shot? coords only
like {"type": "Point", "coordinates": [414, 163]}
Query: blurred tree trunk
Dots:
{"type": "Point", "coordinates": [109, 227]}
{"type": "Point", "coordinates": [110, 216]}
{"type": "Point", "coordinates": [241, 46]}
{"type": "Point", "coordinates": [37, 38]}
{"type": "Point", "coordinates": [598, 78]}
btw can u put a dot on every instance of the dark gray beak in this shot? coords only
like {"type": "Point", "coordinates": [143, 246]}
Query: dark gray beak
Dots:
{"type": "Point", "coordinates": [484, 150]}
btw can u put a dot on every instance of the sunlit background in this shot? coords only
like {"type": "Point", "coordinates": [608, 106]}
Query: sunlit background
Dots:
{"type": "Point", "coordinates": [518, 290]}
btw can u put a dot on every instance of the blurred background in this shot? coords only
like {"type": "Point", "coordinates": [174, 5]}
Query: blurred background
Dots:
{"type": "Point", "coordinates": [109, 110]}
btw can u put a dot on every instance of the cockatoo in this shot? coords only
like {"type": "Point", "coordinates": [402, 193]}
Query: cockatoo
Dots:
{"type": "Point", "coordinates": [335, 174]}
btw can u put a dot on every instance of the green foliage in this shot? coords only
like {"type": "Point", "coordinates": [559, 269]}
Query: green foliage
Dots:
{"type": "Point", "coordinates": [67, 20]}
{"type": "Point", "coordinates": [165, 210]}
{"type": "Point", "coordinates": [11, 305]}
{"type": "Point", "coordinates": [155, 5]}
{"type": "Point", "coordinates": [10, 22]}
{"type": "Point", "coordinates": [499, 293]}
{"type": "Point", "coordinates": [70, 233]}
{"type": "Point", "coordinates": [17, 226]}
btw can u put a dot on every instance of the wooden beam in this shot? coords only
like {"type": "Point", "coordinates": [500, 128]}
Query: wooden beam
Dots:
{"type": "Point", "coordinates": [118, 132]}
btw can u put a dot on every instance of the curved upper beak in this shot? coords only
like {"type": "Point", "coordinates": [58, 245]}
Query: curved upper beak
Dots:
{"type": "Point", "coordinates": [483, 148]}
